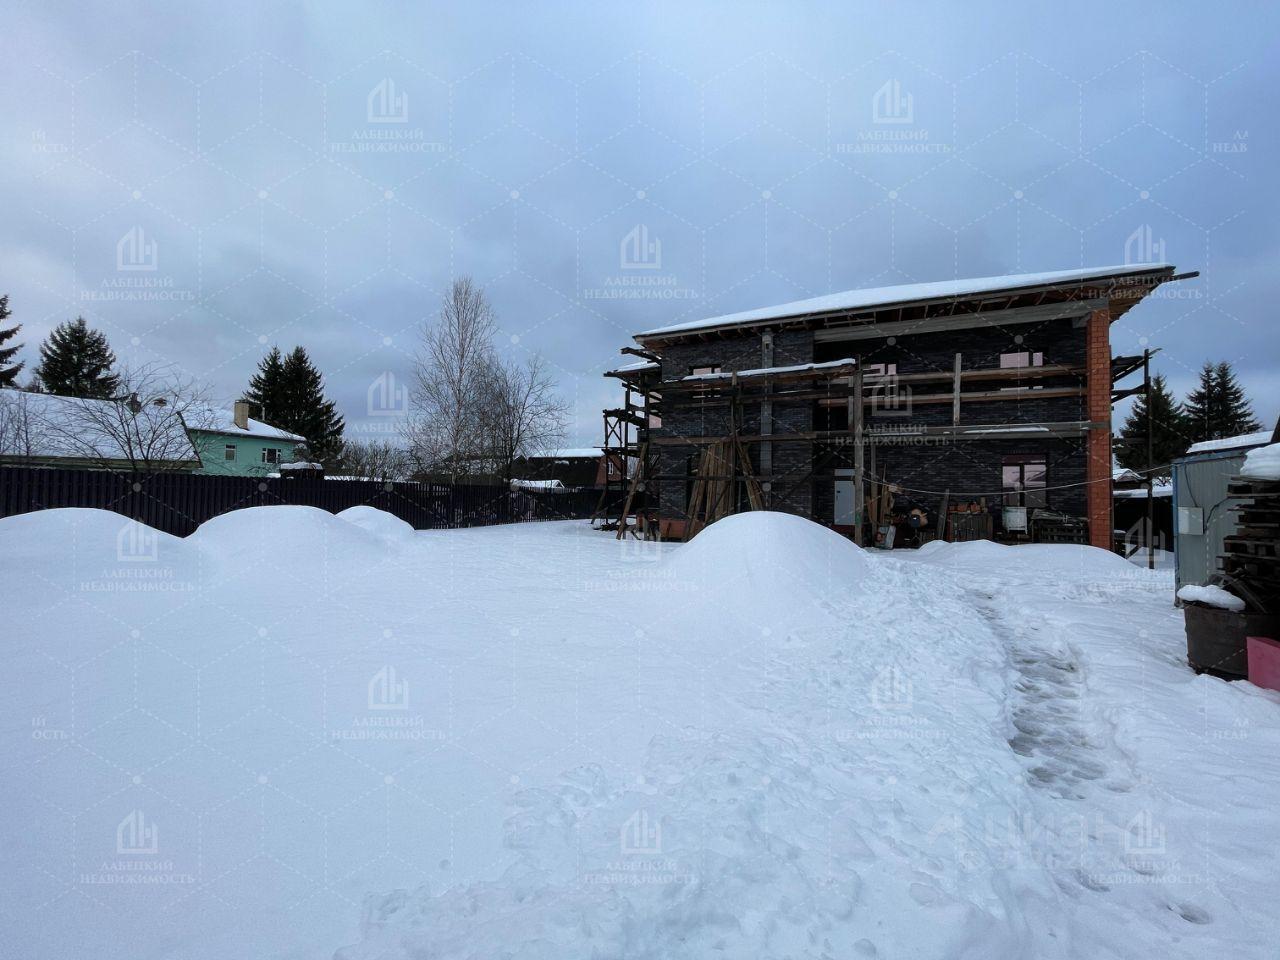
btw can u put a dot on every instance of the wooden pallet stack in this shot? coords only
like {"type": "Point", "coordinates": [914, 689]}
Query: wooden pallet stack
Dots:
{"type": "Point", "coordinates": [1250, 558]}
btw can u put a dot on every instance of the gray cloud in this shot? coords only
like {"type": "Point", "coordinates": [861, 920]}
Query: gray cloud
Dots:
{"type": "Point", "coordinates": [743, 139]}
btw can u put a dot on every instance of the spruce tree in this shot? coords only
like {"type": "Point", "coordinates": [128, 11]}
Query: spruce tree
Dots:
{"type": "Point", "coordinates": [266, 388]}
{"type": "Point", "coordinates": [76, 361]}
{"type": "Point", "coordinates": [299, 405]}
{"type": "Point", "coordinates": [8, 371]}
{"type": "Point", "coordinates": [1217, 407]}
{"type": "Point", "coordinates": [1169, 434]}
{"type": "Point", "coordinates": [1235, 415]}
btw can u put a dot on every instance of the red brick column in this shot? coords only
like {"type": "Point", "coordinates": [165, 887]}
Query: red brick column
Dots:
{"type": "Point", "coordinates": [1098, 441]}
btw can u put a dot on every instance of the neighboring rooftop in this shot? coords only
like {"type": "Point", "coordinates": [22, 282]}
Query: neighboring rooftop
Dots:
{"type": "Point", "coordinates": [45, 425]}
{"type": "Point", "coordinates": [852, 300]}
{"type": "Point", "coordinates": [572, 453]}
{"type": "Point", "coordinates": [1231, 443]}
{"type": "Point", "coordinates": [216, 420]}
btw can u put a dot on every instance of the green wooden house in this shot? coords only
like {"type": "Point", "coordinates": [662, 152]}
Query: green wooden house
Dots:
{"type": "Point", "coordinates": [231, 443]}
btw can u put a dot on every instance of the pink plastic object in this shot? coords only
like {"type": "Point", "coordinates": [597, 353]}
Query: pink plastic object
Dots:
{"type": "Point", "coordinates": [1264, 662]}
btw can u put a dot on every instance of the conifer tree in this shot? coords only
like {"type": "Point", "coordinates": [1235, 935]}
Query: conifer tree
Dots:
{"type": "Point", "coordinates": [1169, 434]}
{"type": "Point", "coordinates": [266, 388]}
{"type": "Point", "coordinates": [1235, 415]}
{"type": "Point", "coordinates": [290, 391]}
{"type": "Point", "coordinates": [1217, 408]}
{"type": "Point", "coordinates": [76, 361]}
{"type": "Point", "coordinates": [310, 414]}
{"type": "Point", "coordinates": [8, 371]}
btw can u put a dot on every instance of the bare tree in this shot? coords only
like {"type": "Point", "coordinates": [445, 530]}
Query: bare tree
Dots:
{"type": "Point", "coordinates": [17, 432]}
{"type": "Point", "coordinates": [145, 424]}
{"type": "Point", "coordinates": [449, 379]}
{"type": "Point", "coordinates": [375, 460]}
{"type": "Point", "coordinates": [521, 412]}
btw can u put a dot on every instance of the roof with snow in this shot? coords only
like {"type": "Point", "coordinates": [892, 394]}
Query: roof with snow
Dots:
{"type": "Point", "coordinates": [48, 426]}
{"type": "Point", "coordinates": [1241, 442]}
{"type": "Point", "coordinates": [877, 297]}
{"type": "Point", "coordinates": [216, 420]}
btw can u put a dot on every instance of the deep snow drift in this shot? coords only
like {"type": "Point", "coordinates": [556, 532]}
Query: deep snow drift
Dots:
{"type": "Point", "coordinates": [293, 733]}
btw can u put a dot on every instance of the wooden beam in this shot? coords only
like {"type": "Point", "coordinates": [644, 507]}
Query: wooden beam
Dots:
{"type": "Point", "coordinates": [1040, 313]}
{"type": "Point", "coordinates": [968, 431]}
{"type": "Point", "coordinates": [855, 423]}
{"type": "Point", "coordinates": [642, 354]}
{"type": "Point", "coordinates": [982, 396]}
{"type": "Point", "coordinates": [955, 393]}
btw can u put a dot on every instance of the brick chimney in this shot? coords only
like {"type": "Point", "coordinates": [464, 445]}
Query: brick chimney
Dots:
{"type": "Point", "coordinates": [240, 414]}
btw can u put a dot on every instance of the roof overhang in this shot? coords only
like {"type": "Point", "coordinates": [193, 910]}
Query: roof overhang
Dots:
{"type": "Point", "coordinates": [1119, 287]}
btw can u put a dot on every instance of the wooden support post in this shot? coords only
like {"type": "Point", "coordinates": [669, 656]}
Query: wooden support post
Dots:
{"type": "Point", "coordinates": [955, 393]}
{"type": "Point", "coordinates": [855, 414]}
{"type": "Point", "coordinates": [1146, 395]}
{"type": "Point", "coordinates": [766, 408]}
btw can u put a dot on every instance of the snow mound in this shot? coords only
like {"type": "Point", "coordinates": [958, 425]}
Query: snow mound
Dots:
{"type": "Point", "coordinates": [288, 536]}
{"type": "Point", "coordinates": [771, 553]}
{"type": "Point", "coordinates": [94, 534]}
{"type": "Point", "coordinates": [985, 556]}
{"type": "Point", "coordinates": [1263, 463]}
{"type": "Point", "coordinates": [378, 522]}
{"type": "Point", "coordinates": [1211, 595]}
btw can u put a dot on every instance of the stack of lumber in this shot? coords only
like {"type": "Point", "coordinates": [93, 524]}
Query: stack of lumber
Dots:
{"type": "Point", "coordinates": [715, 493]}
{"type": "Point", "coordinates": [1250, 558]}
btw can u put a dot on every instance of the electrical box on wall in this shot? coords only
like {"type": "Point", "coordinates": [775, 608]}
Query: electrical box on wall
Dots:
{"type": "Point", "coordinates": [1191, 521]}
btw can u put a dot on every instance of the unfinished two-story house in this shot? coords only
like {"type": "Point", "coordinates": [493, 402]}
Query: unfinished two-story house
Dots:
{"type": "Point", "coordinates": [927, 407]}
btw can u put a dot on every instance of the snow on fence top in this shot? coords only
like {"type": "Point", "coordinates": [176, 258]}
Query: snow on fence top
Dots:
{"type": "Point", "coordinates": [904, 293]}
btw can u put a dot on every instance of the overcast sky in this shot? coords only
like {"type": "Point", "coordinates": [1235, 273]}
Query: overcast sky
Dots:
{"type": "Point", "coordinates": [203, 183]}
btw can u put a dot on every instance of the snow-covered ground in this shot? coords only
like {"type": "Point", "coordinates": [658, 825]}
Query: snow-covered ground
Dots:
{"type": "Point", "coordinates": [292, 734]}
